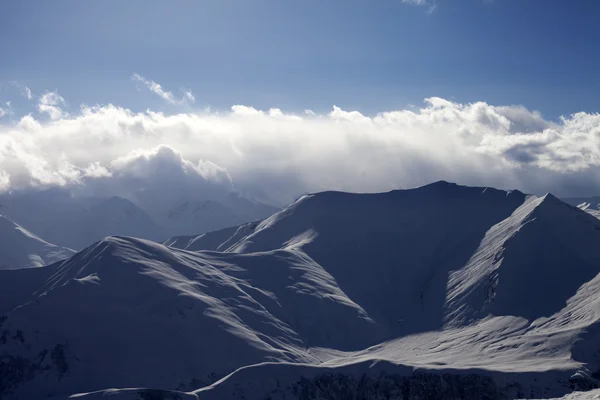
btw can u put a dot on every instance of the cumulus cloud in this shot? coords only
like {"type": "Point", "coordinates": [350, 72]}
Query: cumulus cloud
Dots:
{"type": "Point", "coordinates": [3, 112]}
{"type": "Point", "coordinates": [27, 93]}
{"type": "Point", "coordinates": [278, 155]}
{"type": "Point", "coordinates": [50, 103]}
{"type": "Point", "coordinates": [165, 163]}
{"type": "Point", "coordinates": [187, 95]}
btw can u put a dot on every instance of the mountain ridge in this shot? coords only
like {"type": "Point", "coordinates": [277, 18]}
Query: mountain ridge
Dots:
{"type": "Point", "coordinates": [443, 283]}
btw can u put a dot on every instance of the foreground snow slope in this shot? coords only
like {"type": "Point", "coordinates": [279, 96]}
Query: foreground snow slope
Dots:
{"type": "Point", "coordinates": [435, 291]}
{"type": "Point", "coordinates": [141, 306]}
{"type": "Point", "coordinates": [20, 248]}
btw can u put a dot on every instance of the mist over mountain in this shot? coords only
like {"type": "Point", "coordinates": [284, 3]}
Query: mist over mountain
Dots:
{"type": "Point", "coordinates": [145, 207]}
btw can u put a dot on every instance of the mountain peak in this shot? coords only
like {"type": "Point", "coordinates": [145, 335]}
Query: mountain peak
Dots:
{"type": "Point", "coordinates": [22, 249]}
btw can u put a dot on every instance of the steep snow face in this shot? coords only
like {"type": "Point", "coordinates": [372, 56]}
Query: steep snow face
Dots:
{"type": "Point", "coordinates": [442, 254]}
{"type": "Point", "coordinates": [20, 248]}
{"type": "Point", "coordinates": [391, 252]}
{"type": "Point", "coordinates": [528, 265]}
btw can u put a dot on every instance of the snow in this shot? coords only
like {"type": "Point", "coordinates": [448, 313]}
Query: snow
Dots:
{"type": "Point", "coordinates": [219, 240]}
{"type": "Point", "coordinates": [188, 214]}
{"type": "Point", "coordinates": [591, 395]}
{"type": "Point", "coordinates": [588, 204]}
{"type": "Point", "coordinates": [22, 249]}
{"type": "Point", "coordinates": [428, 290]}
{"type": "Point", "coordinates": [74, 220]}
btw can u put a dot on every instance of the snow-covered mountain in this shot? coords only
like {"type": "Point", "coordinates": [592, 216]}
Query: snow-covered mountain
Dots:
{"type": "Point", "coordinates": [20, 248]}
{"type": "Point", "coordinates": [589, 204]}
{"type": "Point", "coordinates": [77, 221]}
{"type": "Point", "coordinates": [439, 292]}
{"type": "Point", "coordinates": [219, 240]}
{"type": "Point", "coordinates": [197, 215]}
{"type": "Point", "coordinates": [70, 219]}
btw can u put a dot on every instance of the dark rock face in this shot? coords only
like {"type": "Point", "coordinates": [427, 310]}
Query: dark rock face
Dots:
{"type": "Point", "coordinates": [16, 371]}
{"type": "Point", "coordinates": [419, 386]}
{"type": "Point", "coordinates": [151, 394]}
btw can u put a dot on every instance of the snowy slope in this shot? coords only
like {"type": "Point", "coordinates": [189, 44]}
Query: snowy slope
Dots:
{"type": "Point", "coordinates": [585, 203]}
{"type": "Point", "coordinates": [588, 204]}
{"type": "Point", "coordinates": [428, 292]}
{"type": "Point", "coordinates": [140, 305]}
{"type": "Point", "coordinates": [20, 248]}
{"type": "Point", "coordinates": [219, 240]}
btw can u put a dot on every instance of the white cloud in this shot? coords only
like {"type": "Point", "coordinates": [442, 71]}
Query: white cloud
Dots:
{"type": "Point", "coordinates": [283, 154]}
{"type": "Point", "coordinates": [163, 161]}
{"type": "Point", "coordinates": [430, 4]}
{"type": "Point", "coordinates": [187, 95]}
{"type": "Point", "coordinates": [24, 90]}
{"type": "Point", "coordinates": [6, 111]}
{"type": "Point", "coordinates": [50, 103]}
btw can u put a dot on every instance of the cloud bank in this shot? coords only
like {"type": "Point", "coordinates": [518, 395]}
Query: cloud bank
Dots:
{"type": "Point", "coordinates": [277, 155]}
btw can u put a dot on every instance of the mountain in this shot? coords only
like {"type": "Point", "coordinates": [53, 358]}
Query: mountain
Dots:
{"type": "Point", "coordinates": [22, 249]}
{"type": "Point", "coordinates": [78, 221]}
{"type": "Point", "coordinates": [589, 204]}
{"type": "Point", "coordinates": [584, 202]}
{"type": "Point", "coordinates": [69, 218]}
{"type": "Point", "coordinates": [219, 240]}
{"type": "Point", "coordinates": [438, 292]}
{"type": "Point", "coordinates": [194, 215]}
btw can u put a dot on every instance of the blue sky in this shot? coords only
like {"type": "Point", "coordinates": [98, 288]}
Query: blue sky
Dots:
{"type": "Point", "coordinates": [470, 91]}
{"type": "Point", "coordinates": [358, 54]}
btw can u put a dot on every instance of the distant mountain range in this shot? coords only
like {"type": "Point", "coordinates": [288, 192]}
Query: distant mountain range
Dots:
{"type": "Point", "coordinates": [438, 292]}
{"type": "Point", "coordinates": [64, 218]}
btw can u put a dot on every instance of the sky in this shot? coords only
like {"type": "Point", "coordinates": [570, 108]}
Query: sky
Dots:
{"type": "Point", "coordinates": [286, 97]}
